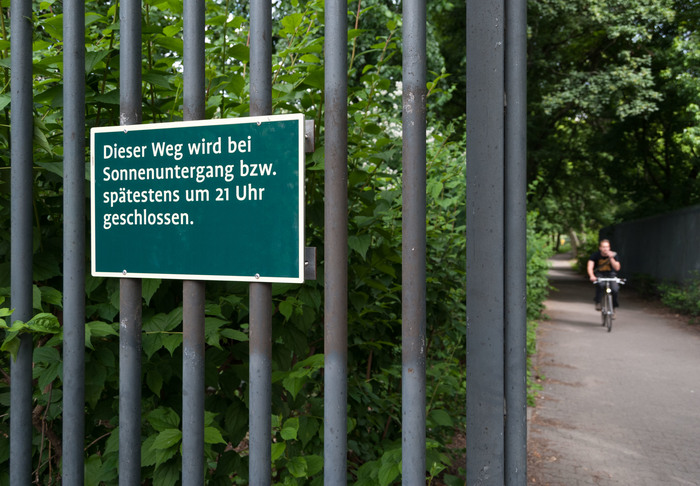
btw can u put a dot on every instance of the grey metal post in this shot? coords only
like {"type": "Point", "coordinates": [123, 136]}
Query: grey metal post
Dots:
{"type": "Point", "coordinates": [260, 345]}
{"type": "Point", "coordinates": [413, 245]}
{"type": "Point", "coordinates": [336, 245]}
{"type": "Point", "coordinates": [74, 242]}
{"type": "Point", "coordinates": [130, 321]}
{"type": "Point", "coordinates": [130, 290]}
{"type": "Point", "coordinates": [260, 458]}
{"type": "Point", "coordinates": [21, 237]}
{"type": "Point", "coordinates": [260, 58]}
{"type": "Point", "coordinates": [193, 292]}
{"type": "Point", "coordinates": [516, 243]}
{"type": "Point", "coordinates": [193, 383]}
{"type": "Point", "coordinates": [485, 219]}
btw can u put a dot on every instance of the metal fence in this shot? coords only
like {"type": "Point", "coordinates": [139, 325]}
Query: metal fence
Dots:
{"type": "Point", "coordinates": [495, 251]}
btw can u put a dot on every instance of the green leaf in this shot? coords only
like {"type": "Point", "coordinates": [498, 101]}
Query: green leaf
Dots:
{"type": "Point", "coordinates": [277, 450]}
{"type": "Point", "coordinates": [149, 287]}
{"type": "Point", "coordinates": [360, 244]}
{"type": "Point", "coordinates": [112, 444]}
{"type": "Point", "coordinates": [290, 429]}
{"type": "Point", "coordinates": [36, 298]}
{"type": "Point", "coordinates": [148, 453]}
{"type": "Point", "coordinates": [11, 344]}
{"type": "Point", "coordinates": [95, 376]}
{"type": "Point", "coordinates": [44, 323]}
{"type": "Point", "coordinates": [314, 464]}
{"type": "Point", "coordinates": [308, 427]}
{"type": "Point", "coordinates": [46, 355]}
{"type": "Point", "coordinates": [440, 417]}
{"type": "Point", "coordinates": [171, 341]}
{"type": "Point", "coordinates": [167, 474]}
{"type": "Point", "coordinates": [211, 331]}
{"type": "Point", "coordinates": [170, 43]}
{"type": "Point", "coordinates": [150, 343]}
{"type": "Point", "coordinates": [54, 26]}
{"type": "Point", "coordinates": [293, 384]}
{"type": "Point", "coordinates": [41, 141]}
{"type": "Point", "coordinates": [172, 30]}
{"type": "Point", "coordinates": [93, 58]}
{"type": "Point", "coordinates": [51, 296]}
{"type": "Point", "coordinates": [240, 52]}
{"type": "Point", "coordinates": [109, 98]}
{"type": "Point", "coordinates": [287, 307]}
{"type": "Point", "coordinates": [297, 466]}
{"type": "Point", "coordinates": [291, 22]}
{"type": "Point", "coordinates": [234, 334]}
{"type": "Point", "coordinates": [97, 329]}
{"type": "Point", "coordinates": [93, 467]}
{"type": "Point", "coordinates": [163, 418]}
{"type": "Point", "coordinates": [154, 380]}
{"type": "Point", "coordinates": [47, 375]}
{"type": "Point", "coordinates": [388, 472]}
{"type": "Point", "coordinates": [4, 100]}
{"type": "Point", "coordinates": [213, 436]}
{"type": "Point", "coordinates": [161, 80]}
{"type": "Point", "coordinates": [167, 439]}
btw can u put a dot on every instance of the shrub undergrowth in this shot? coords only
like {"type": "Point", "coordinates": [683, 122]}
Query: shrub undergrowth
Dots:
{"type": "Point", "coordinates": [374, 279]}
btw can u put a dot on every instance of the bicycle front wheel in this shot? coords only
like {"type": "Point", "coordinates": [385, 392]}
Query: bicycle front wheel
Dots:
{"type": "Point", "coordinates": [608, 312]}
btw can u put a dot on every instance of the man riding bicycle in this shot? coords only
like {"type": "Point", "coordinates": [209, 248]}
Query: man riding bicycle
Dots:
{"type": "Point", "coordinates": [604, 263]}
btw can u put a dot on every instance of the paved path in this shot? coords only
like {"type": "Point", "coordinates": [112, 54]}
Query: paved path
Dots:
{"type": "Point", "coordinates": [619, 408]}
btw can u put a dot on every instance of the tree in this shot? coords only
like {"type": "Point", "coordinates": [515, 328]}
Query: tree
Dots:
{"type": "Point", "coordinates": [612, 90]}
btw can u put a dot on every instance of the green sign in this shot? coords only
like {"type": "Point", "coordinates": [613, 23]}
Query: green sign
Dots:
{"type": "Point", "coordinates": [204, 200]}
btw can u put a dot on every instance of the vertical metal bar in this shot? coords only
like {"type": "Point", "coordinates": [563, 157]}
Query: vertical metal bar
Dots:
{"type": "Point", "coordinates": [485, 286]}
{"type": "Point", "coordinates": [260, 462]}
{"type": "Point", "coordinates": [336, 245]}
{"type": "Point", "coordinates": [193, 59]}
{"type": "Point", "coordinates": [260, 58]}
{"type": "Point", "coordinates": [413, 245]}
{"type": "Point", "coordinates": [130, 322]}
{"type": "Point", "coordinates": [260, 384]}
{"type": "Point", "coordinates": [74, 242]}
{"type": "Point", "coordinates": [516, 243]}
{"type": "Point", "coordinates": [21, 237]}
{"type": "Point", "coordinates": [193, 292]}
{"type": "Point", "coordinates": [130, 290]}
{"type": "Point", "coordinates": [193, 383]}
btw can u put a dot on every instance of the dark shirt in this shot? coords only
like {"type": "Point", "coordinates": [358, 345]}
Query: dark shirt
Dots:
{"type": "Point", "coordinates": [602, 266]}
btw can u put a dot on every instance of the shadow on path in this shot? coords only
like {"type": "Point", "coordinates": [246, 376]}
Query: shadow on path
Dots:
{"type": "Point", "coordinates": [618, 408]}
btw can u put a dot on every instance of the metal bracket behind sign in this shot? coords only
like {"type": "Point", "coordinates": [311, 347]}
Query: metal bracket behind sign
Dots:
{"type": "Point", "coordinates": [310, 263]}
{"type": "Point", "coordinates": [309, 136]}
{"type": "Point", "coordinates": [309, 252]}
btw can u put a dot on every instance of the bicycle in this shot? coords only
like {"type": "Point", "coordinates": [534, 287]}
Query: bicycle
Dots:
{"type": "Point", "coordinates": [607, 311]}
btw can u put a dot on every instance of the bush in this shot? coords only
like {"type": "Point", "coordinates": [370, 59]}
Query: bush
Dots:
{"type": "Point", "coordinates": [374, 263]}
{"type": "Point", "coordinates": [539, 251]}
{"type": "Point", "coordinates": [683, 298]}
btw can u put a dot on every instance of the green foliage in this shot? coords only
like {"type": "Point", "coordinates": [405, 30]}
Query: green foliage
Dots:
{"type": "Point", "coordinates": [374, 314]}
{"type": "Point", "coordinates": [539, 251]}
{"type": "Point", "coordinates": [374, 259]}
{"type": "Point", "coordinates": [589, 247]}
{"type": "Point", "coordinates": [612, 102]}
{"type": "Point", "coordinates": [684, 297]}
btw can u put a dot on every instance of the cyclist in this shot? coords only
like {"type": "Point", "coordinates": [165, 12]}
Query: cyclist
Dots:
{"type": "Point", "coordinates": [604, 263]}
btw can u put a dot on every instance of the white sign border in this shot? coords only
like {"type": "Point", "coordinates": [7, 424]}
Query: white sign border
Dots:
{"type": "Point", "coordinates": [199, 123]}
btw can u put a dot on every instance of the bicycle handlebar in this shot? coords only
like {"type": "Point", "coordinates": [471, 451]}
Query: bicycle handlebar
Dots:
{"type": "Point", "coordinates": [611, 279]}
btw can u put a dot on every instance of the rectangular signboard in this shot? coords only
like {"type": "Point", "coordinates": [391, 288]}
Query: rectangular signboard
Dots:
{"type": "Point", "coordinates": [201, 200]}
